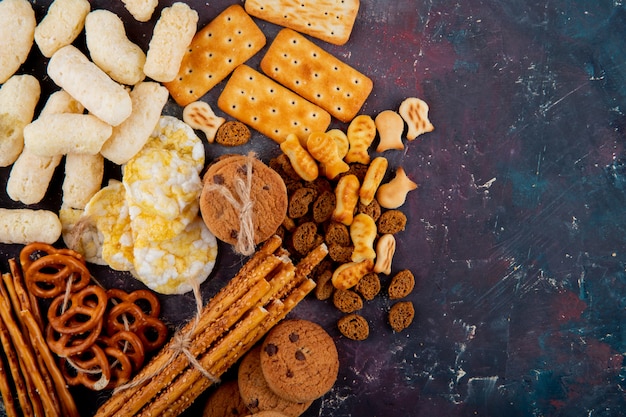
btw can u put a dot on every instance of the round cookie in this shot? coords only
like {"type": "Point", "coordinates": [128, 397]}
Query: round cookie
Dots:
{"type": "Point", "coordinates": [255, 392]}
{"type": "Point", "coordinates": [268, 413]}
{"type": "Point", "coordinates": [233, 133]}
{"type": "Point", "coordinates": [268, 195]}
{"type": "Point", "coordinates": [225, 402]}
{"type": "Point", "coordinates": [299, 360]}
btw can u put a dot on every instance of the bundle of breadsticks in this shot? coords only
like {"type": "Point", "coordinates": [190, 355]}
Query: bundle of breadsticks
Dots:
{"type": "Point", "coordinates": [262, 293]}
{"type": "Point", "coordinates": [30, 379]}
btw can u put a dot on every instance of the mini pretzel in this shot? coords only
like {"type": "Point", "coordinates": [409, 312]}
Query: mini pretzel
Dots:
{"type": "Point", "coordinates": [128, 343]}
{"type": "Point", "coordinates": [66, 344]}
{"type": "Point", "coordinates": [34, 251]}
{"type": "Point", "coordinates": [95, 361]}
{"type": "Point", "coordinates": [117, 296]}
{"type": "Point", "coordinates": [82, 313]}
{"type": "Point", "coordinates": [121, 367]}
{"type": "Point", "coordinates": [47, 276]}
{"type": "Point", "coordinates": [128, 316]}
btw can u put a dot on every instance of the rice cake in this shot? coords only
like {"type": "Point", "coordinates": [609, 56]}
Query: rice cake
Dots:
{"type": "Point", "coordinates": [328, 20]}
{"type": "Point", "coordinates": [302, 66]}
{"type": "Point", "coordinates": [270, 108]}
{"type": "Point", "coordinates": [215, 51]}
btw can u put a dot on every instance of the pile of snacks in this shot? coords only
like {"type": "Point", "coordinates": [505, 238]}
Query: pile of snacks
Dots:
{"type": "Point", "coordinates": [264, 290]}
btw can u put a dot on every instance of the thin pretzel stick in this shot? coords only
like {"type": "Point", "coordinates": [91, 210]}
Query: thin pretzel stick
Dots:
{"type": "Point", "coordinates": [27, 299]}
{"type": "Point", "coordinates": [228, 344]}
{"type": "Point", "coordinates": [67, 401]}
{"type": "Point", "coordinates": [9, 282]}
{"type": "Point", "coordinates": [22, 382]}
{"type": "Point", "coordinates": [30, 368]}
{"type": "Point", "coordinates": [251, 273]}
{"type": "Point", "coordinates": [5, 391]}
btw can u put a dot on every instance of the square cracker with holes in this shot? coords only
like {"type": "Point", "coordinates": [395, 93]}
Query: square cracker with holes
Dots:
{"type": "Point", "coordinates": [215, 51]}
{"type": "Point", "coordinates": [302, 66]}
{"type": "Point", "coordinates": [270, 108]}
{"type": "Point", "coordinates": [328, 20]}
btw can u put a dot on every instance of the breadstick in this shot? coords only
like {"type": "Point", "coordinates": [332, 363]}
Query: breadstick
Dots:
{"type": "Point", "coordinates": [251, 273]}
{"type": "Point", "coordinates": [67, 401]}
{"type": "Point", "coordinates": [71, 70]}
{"type": "Point", "coordinates": [230, 342]}
{"type": "Point", "coordinates": [27, 299]}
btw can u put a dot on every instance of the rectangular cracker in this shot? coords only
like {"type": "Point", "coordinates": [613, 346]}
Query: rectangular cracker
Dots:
{"type": "Point", "coordinates": [302, 66]}
{"type": "Point", "coordinates": [328, 20]}
{"type": "Point", "coordinates": [216, 50]}
{"type": "Point", "coordinates": [270, 108]}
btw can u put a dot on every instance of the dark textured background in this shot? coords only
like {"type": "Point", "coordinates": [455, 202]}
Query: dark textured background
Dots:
{"type": "Point", "coordinates": [516, 233]}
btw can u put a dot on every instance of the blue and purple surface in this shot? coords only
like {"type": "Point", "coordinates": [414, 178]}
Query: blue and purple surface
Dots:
{"type": "Point", "coordinates": [517, 232]}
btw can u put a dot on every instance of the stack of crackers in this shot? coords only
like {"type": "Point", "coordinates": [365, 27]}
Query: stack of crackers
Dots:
{"type": "Point", "coordinates": [301, 86]}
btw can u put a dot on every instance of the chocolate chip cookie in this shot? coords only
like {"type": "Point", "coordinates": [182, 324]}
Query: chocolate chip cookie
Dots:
{"type": "Point", "coordinates": [299, 360]}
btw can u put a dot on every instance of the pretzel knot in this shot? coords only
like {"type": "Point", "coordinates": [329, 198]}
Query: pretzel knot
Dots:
{"type": "Point", "coordinates": [46, 277]}
{"type": "Point", "coordinates": [129, 316]}
{"type": "Point", "coordinates": [82, 312]}
{"type": "Point", "coordinates": [89, 368]}
{"type": "Point", "coordinates": [128, 343]}
{"type": "Point", "coordinates": [146, 300]}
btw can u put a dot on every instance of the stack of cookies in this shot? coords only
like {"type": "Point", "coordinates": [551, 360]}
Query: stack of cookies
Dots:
{"type": "Point", "coordinates": [296, 363]}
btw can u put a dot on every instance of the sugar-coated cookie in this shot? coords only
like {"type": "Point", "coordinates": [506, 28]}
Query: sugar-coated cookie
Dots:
{"type": "Point", "coordinates": [299, 360]}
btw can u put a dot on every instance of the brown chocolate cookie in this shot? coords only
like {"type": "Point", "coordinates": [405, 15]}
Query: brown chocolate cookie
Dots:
{"type": "Point", "coordinates": [401, 315]}
{"type": "Point", "coordinates": [268, 413]}
{"type": "Point", "coordinates": [255, 392]}
{"type": "Point", "coordinates": [305, 237]}
{"type": "Point", "coordinates": [299, 360]}
{"type": "Point", "coordinates": [324, 206]}
{"type": "Point", "coordinates": [354, 326]}
{"type": "Point", "coordinates": [268, 196]}
{"type": "Point", "coordinates": [401, 284]}
{"type": "Point", "coordinates": [299, 202]}
{"type": "Point", "coordinates": [225, 401]}
{"type": "Point", "coordinates": [232, 133]}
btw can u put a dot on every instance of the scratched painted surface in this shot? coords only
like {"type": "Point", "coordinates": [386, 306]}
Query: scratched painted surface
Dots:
{"type": "Point", "coordinates": [517, 232]}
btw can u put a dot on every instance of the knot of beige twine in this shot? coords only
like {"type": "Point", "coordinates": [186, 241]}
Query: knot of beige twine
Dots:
{"type": "Point", "coordinates": [244, 205]}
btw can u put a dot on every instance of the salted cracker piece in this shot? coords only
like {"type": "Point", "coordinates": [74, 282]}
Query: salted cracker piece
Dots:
{"type": "Point", "coordinates": [315, 74]}
{"type": "Point", "coordinates": [18, 98]}
{"type": "Point", "coordinates": [171, 36]}
{"type": "Point", "coordinates": [61, 25]}
{"type": "Point", "coordinates": [329, 20]}
{"type": "Point", "coordinates": [71, 70]}
{"type": "Point", "coordinates": [17, 31]}
{"type": "Point", "coordinates": [216, 50]}
{"type": "Point", "coordinates": [269, 107]}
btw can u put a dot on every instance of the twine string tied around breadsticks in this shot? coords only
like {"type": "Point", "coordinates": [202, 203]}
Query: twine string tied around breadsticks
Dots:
{"type": "Point", "coordinates": [181, 341]}
{"type": "Point", "coordinates": [244, 205]}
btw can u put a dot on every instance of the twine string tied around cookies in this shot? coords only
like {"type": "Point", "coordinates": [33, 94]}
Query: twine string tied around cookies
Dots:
{"type": "Point", "coordinates": [244, 205]}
